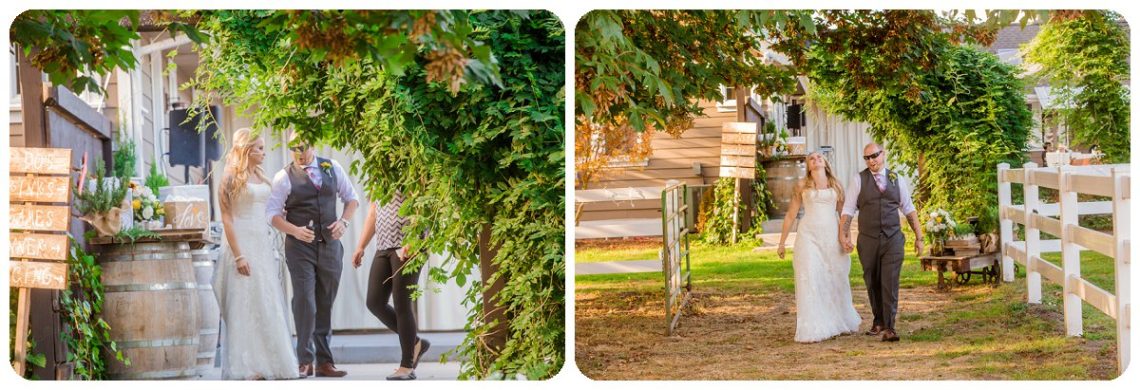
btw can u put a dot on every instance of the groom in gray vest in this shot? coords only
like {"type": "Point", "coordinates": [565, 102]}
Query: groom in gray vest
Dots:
{"type": "Point", "coordinates": [302, 204]}
{"type": "Point", "coordinates": [879, 194]}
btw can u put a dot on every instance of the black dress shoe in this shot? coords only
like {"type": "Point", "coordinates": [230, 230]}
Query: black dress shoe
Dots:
{"type": "Point", "coordinates": [424, 345]}
{"type": "Point", "coordinates": [410, 376]}
{"type": "Point", "coordinates": [875, 330]}
{"type": "Point", "coordinates": [889, 335]}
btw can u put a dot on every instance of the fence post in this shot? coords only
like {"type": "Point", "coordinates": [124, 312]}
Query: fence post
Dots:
{"type": "Point", "coordinates": [1070, 255]}
{"type": "Point", "coordinates": [667, 254]}
{"type": "Point", "coordinates": [1004, 199]}
{"type": "Point", "coordinates": [1032, 237]}
{"type": "Point", "coordinates": [1121, 231]}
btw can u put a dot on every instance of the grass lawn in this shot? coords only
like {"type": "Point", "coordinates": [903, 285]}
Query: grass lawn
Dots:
{"type": "Point", "coordinates": [741, 322]}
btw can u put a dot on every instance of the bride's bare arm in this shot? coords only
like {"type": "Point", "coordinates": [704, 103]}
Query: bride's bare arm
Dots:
{"type": "Point", "coordinates": [789, 218]}
{"type": "Point", "coordinates": [227, 226]}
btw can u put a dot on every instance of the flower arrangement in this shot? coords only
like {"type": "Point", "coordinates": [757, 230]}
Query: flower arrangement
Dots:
{"type": "Point", "coordinates": [326, 166]}
{"type": "Point", "coordinates": [103, 202]}
{"type": "Point", "coordinates": [145, 204]}
{"type": "Point", "coordinates": [939, 227]}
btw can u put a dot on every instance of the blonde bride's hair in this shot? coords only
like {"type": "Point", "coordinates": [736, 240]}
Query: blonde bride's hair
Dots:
{"type": "Point", "coordinates": [238, 169]}
{"type": "Point", "coordinates": [832, 182]}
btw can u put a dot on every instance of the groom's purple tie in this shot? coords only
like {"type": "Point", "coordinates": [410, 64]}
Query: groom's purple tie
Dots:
{"type": "Point", "coordinates": [313, 177]}
{"type": "Point", "coordinates": [879, 182]}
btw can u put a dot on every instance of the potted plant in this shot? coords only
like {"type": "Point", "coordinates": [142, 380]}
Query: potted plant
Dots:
{"type": "Point", "coordinates": [767, 140]}
{"type": "Point", "coordinates": [101, 203]}
{"type": "Point", "coordinates": [963, 241]}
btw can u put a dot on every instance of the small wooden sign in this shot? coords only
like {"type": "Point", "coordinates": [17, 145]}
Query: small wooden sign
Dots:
{"type": "Point", "coordinates": [51, 189]}
{"type": "Point", "coordinates": [738, 161]}
{"type": "Point", "coordinates": [41, 218]}
{"type": "Point", "coordinates": [31, 274]}
{"type": "Point", "coordinates": [743, 173]}
{"type": "Point", "coordinates": [39, 246]}
{"type": "Point", "coordinates": [738, 150]}
{"type": "Point", "coordinates": [739, 127]}
{"type": "Point", "coordinates": [40, 160]}
{"type": "Point", "coordinates": [738, 138]}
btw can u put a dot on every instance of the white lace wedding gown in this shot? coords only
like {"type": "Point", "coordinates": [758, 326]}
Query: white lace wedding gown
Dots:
{"type": "Point", "coordinates": [256, 342]}
{"type": "Point", "coordinates": [823, 291]}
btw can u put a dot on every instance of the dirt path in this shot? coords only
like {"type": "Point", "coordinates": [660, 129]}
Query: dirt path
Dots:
{"type": "Point", "coordinates": [977, 332]}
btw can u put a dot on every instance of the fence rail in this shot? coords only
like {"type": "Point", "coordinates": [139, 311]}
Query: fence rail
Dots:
{"type": "Point", "coordinates": [1112, 181]}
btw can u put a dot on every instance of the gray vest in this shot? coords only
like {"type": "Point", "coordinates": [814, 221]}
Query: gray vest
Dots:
{"type": "Point", "coordinates": [878, 211]}
{"type": "Point", "coordinates": [305, 203]}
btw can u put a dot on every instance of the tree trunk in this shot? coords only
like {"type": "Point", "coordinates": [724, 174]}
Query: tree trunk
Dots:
{"type": "Point", "coordinates": [493, 309]}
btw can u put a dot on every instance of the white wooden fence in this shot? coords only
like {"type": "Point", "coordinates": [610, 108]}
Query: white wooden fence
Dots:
{"type": "Point", "coordinates": [1104, 180]}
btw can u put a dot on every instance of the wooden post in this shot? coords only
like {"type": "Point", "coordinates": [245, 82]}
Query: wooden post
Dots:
{"type": "Point", "coordinates": [1122, 231]}
{"type": "Point", "coordinates": [741, 116]}
{"type": "Point", "coordinates": [1032, 237]}
{"type": "Point", "coordinates": [32, 102]}
{"type": "Point", "coordinates": [19, 363]}
{"type": "Point", "coordinates": [735, 209]}
{"type": "Point", "coordinates": [1004, 199]}
{"type": "Point", "coordinates": [1070, 255]}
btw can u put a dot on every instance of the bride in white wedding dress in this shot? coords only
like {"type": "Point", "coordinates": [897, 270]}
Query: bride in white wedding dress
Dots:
{"type": "Point", "coordinates": [823, 291]}
{"type": "Point", "coordinates": [256, 343]}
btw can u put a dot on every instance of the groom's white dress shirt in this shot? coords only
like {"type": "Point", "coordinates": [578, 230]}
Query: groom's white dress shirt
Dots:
{"type": "Point", "coordinates": [282, 186]}
{"type": "Point", "coordinates": [855, 185]}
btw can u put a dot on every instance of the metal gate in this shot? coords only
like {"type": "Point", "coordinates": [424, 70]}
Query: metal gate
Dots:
{"type": "Point", "coordinates": [675, 209]}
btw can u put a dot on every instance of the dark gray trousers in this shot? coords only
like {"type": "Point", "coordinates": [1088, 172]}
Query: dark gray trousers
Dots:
{"type": "Point", "coordinates": [314, 269]}
{"type": "Point", "coordinates": [882, 259]}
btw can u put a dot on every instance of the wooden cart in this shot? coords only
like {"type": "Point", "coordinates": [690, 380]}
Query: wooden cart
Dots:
{"type": "Point", "coordinates": [986, 265]}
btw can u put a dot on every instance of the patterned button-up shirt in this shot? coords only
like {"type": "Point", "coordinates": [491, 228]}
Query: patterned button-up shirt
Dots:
{"type": "Point", "coordinates": [389, 223]}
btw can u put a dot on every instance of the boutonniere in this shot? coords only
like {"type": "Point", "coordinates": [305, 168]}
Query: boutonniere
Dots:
{"type": "Point", "coordinates": [893, 177]}
{"type": "Point", "coordinates": [326, 166]}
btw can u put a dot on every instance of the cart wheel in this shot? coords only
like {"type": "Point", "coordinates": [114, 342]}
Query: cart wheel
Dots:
{"type": "Point", "coordinates": [963, 278]}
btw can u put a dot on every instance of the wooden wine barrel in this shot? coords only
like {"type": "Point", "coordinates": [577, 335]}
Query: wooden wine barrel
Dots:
{"type": "Point", "coordinates": [151, 303]}
{"type": "Point", "coordinates": [209, 315]}
{"type": "Point", "coordinates": [782, 178]}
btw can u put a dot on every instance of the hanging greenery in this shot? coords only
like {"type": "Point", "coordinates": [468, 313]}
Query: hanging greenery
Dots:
{"type": "Point", "coordinates": [87, 336]}
{"type": "Point", "coordinates": [481, 165]}
{"type": "Point", "coordinates": [1084, 55]}
{"type": "Point", "coordinates": [946, 112]}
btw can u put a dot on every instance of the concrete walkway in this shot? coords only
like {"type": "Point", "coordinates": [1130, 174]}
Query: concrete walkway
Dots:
{"type": "Point", "coordinates": [375, 356]}
{"type": "Point", "coordinates": [374, 372]}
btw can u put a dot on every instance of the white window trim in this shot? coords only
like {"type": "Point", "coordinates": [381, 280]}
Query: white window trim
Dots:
{"type": "Point", "coordinates": [727, 103]}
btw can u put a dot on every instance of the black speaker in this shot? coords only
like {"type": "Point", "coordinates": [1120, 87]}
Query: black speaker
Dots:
{"type": "Point", "coordinates": [185, 141]}
{"type": "Point", "coordinates": [794, 110]}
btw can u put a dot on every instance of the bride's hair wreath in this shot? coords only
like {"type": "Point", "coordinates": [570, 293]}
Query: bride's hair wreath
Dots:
{"type": "Point", "coordinates": [832, 181]}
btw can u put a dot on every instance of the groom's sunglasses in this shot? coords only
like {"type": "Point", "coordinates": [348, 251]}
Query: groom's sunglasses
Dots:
{"type": "Point", "coordinates": [299, 148]}
{"type": "Point", "coordinates": [873, 155]}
